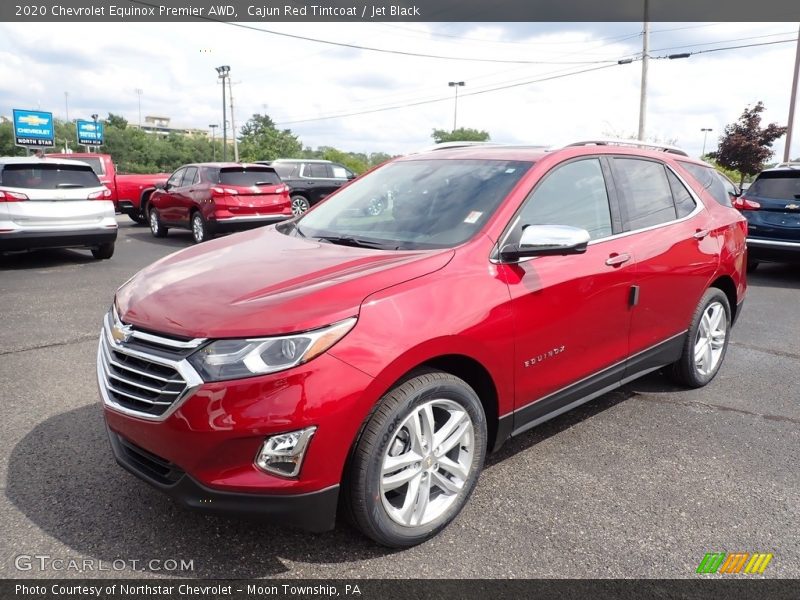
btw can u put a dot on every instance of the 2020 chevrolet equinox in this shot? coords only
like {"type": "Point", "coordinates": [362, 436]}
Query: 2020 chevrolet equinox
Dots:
{"type": "Point", "coordinates": [369, 362]}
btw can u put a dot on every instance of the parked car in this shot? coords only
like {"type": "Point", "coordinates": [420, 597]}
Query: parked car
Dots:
{"type": "Point", "coordinates": [377, 361]}
{"type": "Point", "coordinates": [212, 198]}
{"type": "Point", "coordinates": [54, 203]}
{"type": "Point", "coordinates": [772, 207]}
{"type": "Point", "coordinates": [311, 180]}
{"type": "Point", "coordinates": [130, 193]}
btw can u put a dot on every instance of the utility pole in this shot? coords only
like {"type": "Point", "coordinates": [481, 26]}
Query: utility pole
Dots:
{"type": "Point", "coordinates": [645, 60]}
{"type": "Point", "coordinates": [66, 104]}
{"type": "Point", "coordinates": [213, 127]}
{"type": "Point", "coordinates": [788, 148]}
{"type": "Point", "coordinates": [233, 124]}
{"type": "Point", "coordinates": [223, 73]}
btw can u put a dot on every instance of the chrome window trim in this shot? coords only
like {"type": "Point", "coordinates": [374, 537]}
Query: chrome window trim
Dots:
{"type": "Point", "coordinates": [771, 243]}
{"type": "Point", "coordinates": [183, 367]}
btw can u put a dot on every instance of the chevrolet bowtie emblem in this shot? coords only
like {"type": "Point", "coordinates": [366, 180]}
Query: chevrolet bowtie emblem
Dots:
{"type": "Point", "coordinates": [121, 333]}
{"type": "Point", "coordinates": [792, 206]}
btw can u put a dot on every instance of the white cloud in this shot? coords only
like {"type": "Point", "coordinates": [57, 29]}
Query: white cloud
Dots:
{"type": "Point", "coordinates": [293, 79]}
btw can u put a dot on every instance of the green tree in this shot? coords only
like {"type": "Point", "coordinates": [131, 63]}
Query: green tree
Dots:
{"type": "Point", "coordinates": [745, 145]}
{"type": "Point", "coordinates": [260, 139]}
{"type": "Point", "coordinates": [462, 134]}
{"type": "Point", "coordinates": [116, 121]}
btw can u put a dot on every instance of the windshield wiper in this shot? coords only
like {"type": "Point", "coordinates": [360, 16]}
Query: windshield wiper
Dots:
{"type": "Point", "coordinates": [354, 242]}
{"type": "Point", "coordinates": [62, 186]}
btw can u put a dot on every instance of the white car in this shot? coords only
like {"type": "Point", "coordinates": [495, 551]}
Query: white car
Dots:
{"type": "Point", "coordinates": [54, 203]}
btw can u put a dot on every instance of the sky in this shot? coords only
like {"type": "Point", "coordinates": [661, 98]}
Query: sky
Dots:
{"type": "Point", "coordinates": [298, 81]}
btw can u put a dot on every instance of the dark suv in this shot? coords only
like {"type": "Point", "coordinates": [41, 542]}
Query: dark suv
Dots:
{"type": "Point", "coordinates": [772, 208]}
{"type": "Point", "coordinates": [311, 180]}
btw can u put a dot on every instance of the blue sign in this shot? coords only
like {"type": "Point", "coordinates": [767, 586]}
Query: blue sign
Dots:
{"type": "Point", "coordinates": [33, 128]}
{"type": "Point", "coordinates": [90, 133]}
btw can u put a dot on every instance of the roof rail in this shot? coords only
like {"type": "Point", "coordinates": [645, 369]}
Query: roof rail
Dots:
{"type": "Point", "coordinates": [632, 143]}
{"type": "Point", "coordinates": [792, 164]}
{"type": "Point", "coordinates": [450, 145]}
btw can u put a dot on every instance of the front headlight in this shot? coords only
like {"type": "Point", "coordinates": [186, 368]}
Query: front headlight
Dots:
{"type": "Point", "coordinates": [236, 359]}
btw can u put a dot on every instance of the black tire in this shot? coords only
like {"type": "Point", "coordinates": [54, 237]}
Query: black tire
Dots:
{"type": "Point", "coordinates": [300, 204]}
{"type": "Point", "coordinates": [686, 370]}
{"type": "Point", "coordinates": [138, 219]}
{"type": "Point", "coordinates": [388, 425]}
{"type": "Point", "coordinates": [157, 228]}
{"type": "Point", "coordinates": [201, 230]}
{"type": "Point", "coordinates": [752, 264]}
{"type": "Point", "coordinates": [103, 251]}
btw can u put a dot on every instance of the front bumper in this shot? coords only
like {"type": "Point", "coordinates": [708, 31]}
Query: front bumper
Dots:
{"type": "Point", "coordinates": [312, 511]}
{"type": "Point", "coordinates": [68, 238]}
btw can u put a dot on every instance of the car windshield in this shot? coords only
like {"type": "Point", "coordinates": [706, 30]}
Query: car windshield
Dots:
{"type": "Point", "coordinates": [42, 176]}
{"type": "Point", "coordinates": [781, 185]}
{"type": "Point", "coordinates": [248, 176]}
{"type": "Point", "coordinates": [413, 204]}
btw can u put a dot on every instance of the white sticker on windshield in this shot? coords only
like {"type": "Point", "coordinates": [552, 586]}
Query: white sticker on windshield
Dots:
{"type": "Point", "coordinates": [473, 217]}
{"type": "Point", "coordinates": [510, 170]}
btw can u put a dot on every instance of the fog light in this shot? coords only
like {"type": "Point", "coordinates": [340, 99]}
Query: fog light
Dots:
{"type": "Point", "coordinates": [283, 454]}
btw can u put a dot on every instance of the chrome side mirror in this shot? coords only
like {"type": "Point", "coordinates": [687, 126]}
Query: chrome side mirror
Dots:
{"type": "Point", "coordinates": [547, 240]}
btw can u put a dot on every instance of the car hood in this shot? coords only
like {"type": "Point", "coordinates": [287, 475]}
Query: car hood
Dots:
{"type": "Point", "coordinates": [262, 282]}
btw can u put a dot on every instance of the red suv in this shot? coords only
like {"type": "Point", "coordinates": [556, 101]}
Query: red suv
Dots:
{"type": "Point", "coordinates": [211, 198]}
{"type": "Point", "coordinates": [375, 359]}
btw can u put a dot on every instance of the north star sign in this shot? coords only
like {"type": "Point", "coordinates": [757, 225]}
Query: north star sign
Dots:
{"type": "Point", "coordinates": [90, 133]}
{"type": "Point", "coordinates": [33, 128]}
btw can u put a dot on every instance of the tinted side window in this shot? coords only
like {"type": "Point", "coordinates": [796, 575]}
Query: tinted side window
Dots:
{"type": "Point", "coordinates": [573, 194]}
{"type": "Point", "coordinates": [647, 198]}
{"type": "Point", "coordinates": [708, 178]}
{"type": "Point", "coordinates": [176, 178]}
{"type": "Point", "coordinates": [339, 172]}
{"type": "Point", "coordinates": [286, 169]}
{"type": "Point", "coordinates": [190, 177]}
{"type": "Point", "coordinates": [684, 203]}
{"type": "Point", "coordinates": [316, 170]}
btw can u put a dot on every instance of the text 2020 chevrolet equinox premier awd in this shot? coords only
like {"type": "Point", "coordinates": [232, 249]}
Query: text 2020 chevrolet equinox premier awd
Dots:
{"type": "Point", "coordinates": [373, 360]}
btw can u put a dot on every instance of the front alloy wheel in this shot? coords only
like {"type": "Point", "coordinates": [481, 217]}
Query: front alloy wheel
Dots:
{"type": "Point", "coordinates": [200, 232]}
{"type": "Point", "coordinates": [417, 460]}
{"type": "Point", "coordinates": [156, 228]}
{"type": "Point", "coordinates": [299, 205]}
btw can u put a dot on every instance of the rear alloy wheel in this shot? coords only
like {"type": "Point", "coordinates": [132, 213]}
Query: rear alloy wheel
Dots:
{"type": "Point", "coordinates": [418, 460]}
{"type": "Point", "coordinates": [200, 229]}
{"type": "Point", "coordinates": [299, 205]}
{"type": "Point", "coordinates": [707, 342]}
{"type": "Point", "coordinates": [103, 251]}
{"type": "Point", "coordinates": [156, 228]}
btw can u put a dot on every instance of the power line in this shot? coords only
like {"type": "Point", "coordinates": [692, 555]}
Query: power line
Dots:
{"type": "Point", "coordinates": [744, 39]}
{"type": "Point", "coordinates": [432, 101]}
{"type": "Point", "coordinates": [522, 83]}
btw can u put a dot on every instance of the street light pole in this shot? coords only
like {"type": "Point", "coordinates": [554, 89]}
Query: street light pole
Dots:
{"type": "Point", "coordinates": [66, 104]}
{"type": "Point", "coordinates": [213, 127]}
{"type": "Point", "coordinates": [705, 131]}
{"type": "Point", "coordinates": [455, 84]}
{"type": "Point", "coordinates": [94, 118]}
{"type": "Point", "coordinates": [233, 124]}
{"type": "Point", "coordinates": [223, 73]}
{"type": "Point", "coordinates": [139, 92]}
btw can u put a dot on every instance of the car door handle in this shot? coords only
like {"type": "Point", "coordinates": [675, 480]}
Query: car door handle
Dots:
{"type": "Point", "coordinates": [701, 233]}
{"type": "Point", "coordinates": [615, 260]}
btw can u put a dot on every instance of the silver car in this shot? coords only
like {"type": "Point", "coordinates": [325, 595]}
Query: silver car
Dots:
{"type": "Point", "coordinates": [54, 203]}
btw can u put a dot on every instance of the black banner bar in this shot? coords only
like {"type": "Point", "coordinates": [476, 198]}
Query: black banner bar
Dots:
{"type": "Point", "coordinates": [738, 588]}
{"type": "Point", "coordinates": [267, 11]}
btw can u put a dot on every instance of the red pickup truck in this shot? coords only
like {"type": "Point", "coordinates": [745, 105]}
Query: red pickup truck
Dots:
{"type": "Point", "coordinates": [130, 193]}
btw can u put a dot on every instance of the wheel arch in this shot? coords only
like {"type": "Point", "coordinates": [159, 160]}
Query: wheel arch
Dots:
{"type": "Point", "coordinates": [728, 287]}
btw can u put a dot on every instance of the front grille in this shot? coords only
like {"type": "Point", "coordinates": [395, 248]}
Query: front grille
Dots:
{"type": "Point", "coordinates": [145, 383]}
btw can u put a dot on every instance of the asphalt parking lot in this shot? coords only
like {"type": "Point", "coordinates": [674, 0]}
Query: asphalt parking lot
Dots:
{"type": "Point", "coordinates": [639, 483]}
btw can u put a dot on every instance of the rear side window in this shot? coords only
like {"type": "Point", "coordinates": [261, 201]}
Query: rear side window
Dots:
{"type": "Point", "coordinates": [573, 194]}
{"type": "Point", "coordinates": [711, 181]}
{"type": "Point", "coordinates": [316, 170]}
{"type": "Point", "coordinates": [647, 197]}
{"type": "Point", "coordinates": [190, 177]}
{"type": "Point", "coordinates": [684, 203]}
{"type": "Point", "coordinates": [339, 172]}
{"type": "Point", "coordinates": [48, 177]}
{"type": "Point", "coordinates": [781, 185]}
{"type": "Point", "coordinates": [248, 177]}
